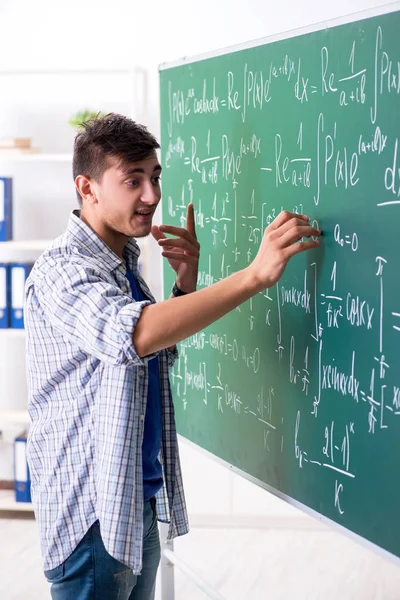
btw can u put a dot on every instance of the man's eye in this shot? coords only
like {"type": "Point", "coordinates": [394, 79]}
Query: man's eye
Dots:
{"type": "Point", "coordinates": [133, 183]}
{"type": "Point", "coordinates": [156, 180]}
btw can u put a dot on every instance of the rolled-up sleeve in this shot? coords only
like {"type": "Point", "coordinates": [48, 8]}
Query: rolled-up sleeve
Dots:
{"type": "Point", "coordinates": [91, 312]}
{"type": "Point", "coordinates": [172, 355]}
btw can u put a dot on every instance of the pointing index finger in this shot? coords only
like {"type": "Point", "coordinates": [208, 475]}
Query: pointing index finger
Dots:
{"type": "Point", "coordinates": [190, 220]}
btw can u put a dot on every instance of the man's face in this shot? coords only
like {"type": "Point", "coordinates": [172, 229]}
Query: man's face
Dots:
{"type": "Point", "coordinates": [128, 196]}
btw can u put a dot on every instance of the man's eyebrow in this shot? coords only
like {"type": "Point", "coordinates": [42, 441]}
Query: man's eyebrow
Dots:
{"type": "Point", "coordinates": [157, 168]}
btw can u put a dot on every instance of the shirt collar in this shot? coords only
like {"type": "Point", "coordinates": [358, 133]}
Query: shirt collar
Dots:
{"type": "Point", "coordinates": [91, 244]}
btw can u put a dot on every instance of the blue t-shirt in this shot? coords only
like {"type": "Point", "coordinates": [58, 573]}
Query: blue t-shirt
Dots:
{"type": "Point", "coordinates": [152, 471]}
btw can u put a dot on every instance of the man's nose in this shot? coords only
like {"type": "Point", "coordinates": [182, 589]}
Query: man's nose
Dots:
{"type": "Point", "coordinates": [149, 195]}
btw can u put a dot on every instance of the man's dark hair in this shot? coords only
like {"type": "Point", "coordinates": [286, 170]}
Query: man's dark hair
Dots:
{"type": "Point", "coordinates": [112, 135]}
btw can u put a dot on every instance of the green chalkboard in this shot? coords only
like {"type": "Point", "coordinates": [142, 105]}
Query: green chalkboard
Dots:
{"type": "Point", "coordinates": [299, 387]}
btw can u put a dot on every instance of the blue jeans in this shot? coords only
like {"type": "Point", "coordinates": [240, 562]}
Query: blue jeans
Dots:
{"type": "Point", "coordinates": [90, 573]}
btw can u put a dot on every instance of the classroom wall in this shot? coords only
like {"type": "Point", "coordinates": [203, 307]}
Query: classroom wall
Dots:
{"type": "Point", "coordinates": [87, 33]}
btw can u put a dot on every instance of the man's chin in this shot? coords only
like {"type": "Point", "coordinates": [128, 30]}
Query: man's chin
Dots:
{"type": "Point", "coordinates": [141, 232]}
{"type": "Point", "coordinates": [141, 235]}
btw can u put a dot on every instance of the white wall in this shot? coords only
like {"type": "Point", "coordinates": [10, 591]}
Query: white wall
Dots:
{"type": "Point", "coordinates": [88, 33]}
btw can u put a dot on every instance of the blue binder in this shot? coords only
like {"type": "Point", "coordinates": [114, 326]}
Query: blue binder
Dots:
{"type": "Point", "coordinates": [4, 296]}
{"type": "Point", "coordinates": [6, 202]}
{"type": "Point", "coordinates": [22, 480]}
{"type": "Point", "coordinates": [18, 275]}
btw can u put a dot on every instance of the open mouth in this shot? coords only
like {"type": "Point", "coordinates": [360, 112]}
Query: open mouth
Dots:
{"type": "Point", "coordinates": [144, 215]}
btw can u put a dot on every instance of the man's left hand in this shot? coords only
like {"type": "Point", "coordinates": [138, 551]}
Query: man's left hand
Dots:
{"type": "Point", "coordinates": [182, 251]}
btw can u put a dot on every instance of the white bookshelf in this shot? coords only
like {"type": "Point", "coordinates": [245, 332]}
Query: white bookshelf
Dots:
{"type": "Point", "coordinates": [22, 251]}
{"type": "Point", "coordinates": [35, 156]}
{"type": "Point", "coordinates": [15, 416]}
{"type": "Point", "coordinates": [37, 162]}
{"type": "Point", "coordinates": [8, 503]}
{"type": "Point", "coordinates": [10, 333]}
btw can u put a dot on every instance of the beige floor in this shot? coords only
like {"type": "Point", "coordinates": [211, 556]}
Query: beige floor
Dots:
{"type": "Point", "coordinates": [241, 564]}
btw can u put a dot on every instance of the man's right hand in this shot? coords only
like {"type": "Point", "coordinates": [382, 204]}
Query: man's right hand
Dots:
{"type": "Point", "coordinates": [280, 242]}
{"type": "Point", "coordinates": [164, 324]}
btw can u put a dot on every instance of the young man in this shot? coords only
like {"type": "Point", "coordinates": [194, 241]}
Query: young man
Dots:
{"type": "Point", "coordinates": [102, 450]}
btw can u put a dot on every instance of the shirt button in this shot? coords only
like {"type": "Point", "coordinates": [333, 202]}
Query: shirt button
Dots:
{"type": "Point", "coordinates": [141, 372]}
{"type": "Point", "coordinates": [142, 417]}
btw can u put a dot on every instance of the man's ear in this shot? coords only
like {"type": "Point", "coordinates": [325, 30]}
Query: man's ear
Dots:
{"type": "Point", "coordinates": [85, 187]}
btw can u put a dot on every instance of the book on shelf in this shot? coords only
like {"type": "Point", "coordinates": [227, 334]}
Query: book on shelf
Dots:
{"type": "Point", "coordinates": [22, 479]}
{"type": "Point", "coordinates": [12, 284]}
{"type": "Point", "coordinates": [6, 202]}
{"type": "Point", "coordinates": [17, 143]}
{"type": "Point", "coordinates": [18, 276]}
{"type": "Point", "coordinates": [4, 296]}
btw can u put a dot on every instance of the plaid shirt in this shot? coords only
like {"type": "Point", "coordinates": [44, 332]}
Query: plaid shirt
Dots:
{"type": "Point", "coordinates": [87, 401]}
